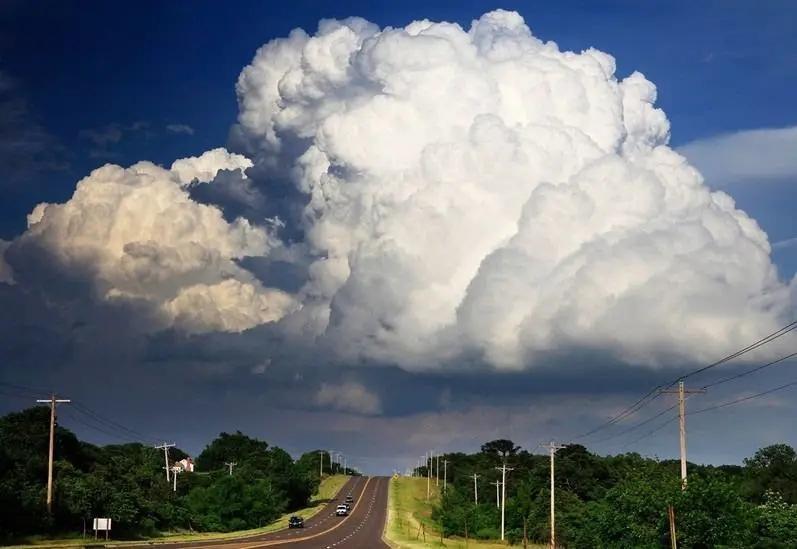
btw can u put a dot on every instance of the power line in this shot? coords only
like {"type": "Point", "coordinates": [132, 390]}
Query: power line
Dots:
{"type": "Point", "coordinates": [650, 433]}
{"type": "Point", "coordinates": [718, 382]}
{"type": "Point", "coordinates": [744, 399]}
{"type": "Point", "coordinates": [753, 346]}
{"type": "Point", "coordinates": [714, 407]}
{"type": "Point", "coordinates": [99, 429]}
{"type": "Point", "coordinates": [28, 390]}
{"type": "Point", "coordinates": [85, 410]}
{"type": "Point", "coordinates": [636, 425]}
{"type": "Point", "coordinates": [751, 371]}
{"type": "Point", "coordinates": [653, 393]}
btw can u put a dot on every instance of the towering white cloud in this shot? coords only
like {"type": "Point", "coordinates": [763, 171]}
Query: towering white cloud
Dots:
{"type": "Point", "coordinates": [138, 236]}
{"type": "Point", "coordinates": [462, 194]}
{"type": "Point", "coordinates": [482, 191]}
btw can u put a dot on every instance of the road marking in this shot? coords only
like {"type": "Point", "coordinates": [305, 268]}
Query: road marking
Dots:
{"type": "Point", "coordinates": [295, 540]}
{"type": "Point", "coordinates": [273, 541]}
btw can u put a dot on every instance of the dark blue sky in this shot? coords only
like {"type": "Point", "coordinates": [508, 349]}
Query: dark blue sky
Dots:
{"type": "Point", "coordinates": [83, 84]}
{"type": "Point", "coordinates": [719, 67]}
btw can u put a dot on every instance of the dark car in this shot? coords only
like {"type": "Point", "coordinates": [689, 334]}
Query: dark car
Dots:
{"type": "Point", "coordinates": [349, 500]}
{"type": "Point", "coordinates": [296, 522]}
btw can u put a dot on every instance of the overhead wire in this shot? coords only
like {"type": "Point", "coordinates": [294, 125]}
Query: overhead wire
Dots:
{"type": "Point", "coordinates": [714, 384]}
{"type": "Point", "coordinates": [72, 417]}
{"type": "Point", "coordinates": [86, 411]}
{"type": "Point", "coordinates": [743, 399]}
{"type": "Point", "coordinates": [714, 407]}
{"type": "Point", "coordinates": [655, 392]}
{"type": "Point", "coordinates": [750, 371]}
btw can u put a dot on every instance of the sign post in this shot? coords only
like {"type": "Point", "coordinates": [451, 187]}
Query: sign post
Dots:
{"type": "Point", "coordinates": [102, 524]}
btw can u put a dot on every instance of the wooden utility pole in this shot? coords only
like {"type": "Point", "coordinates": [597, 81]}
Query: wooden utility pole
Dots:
{"type": "Point", "coordinates": [175, 471]}
{"type": "Point", "coordinates": [52, 401]}
{"type": "Point", "coordinates": [429, 462]}
{"type": "Point", "coordinates": [552, 448]}
{"type": "Point", "coordinates": [682, 423]}
{"type": "Point", "coordinates": [671, 516]}
{"type": "Point", "coordinates": [503, 470]}
{"type": "Point", "coordinates": [165, 447]}
{"type": "Point", "coordinates": [497, 493]}
{"type": "Point", "coordinates": [475, 489]}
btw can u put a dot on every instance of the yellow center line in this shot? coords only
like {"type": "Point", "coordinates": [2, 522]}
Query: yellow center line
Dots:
{"type": "Point", "coordinates": [295, 540]}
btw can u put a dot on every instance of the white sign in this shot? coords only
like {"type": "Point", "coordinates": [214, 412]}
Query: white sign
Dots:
{"type": "Point", "coordinates": [102, 524]}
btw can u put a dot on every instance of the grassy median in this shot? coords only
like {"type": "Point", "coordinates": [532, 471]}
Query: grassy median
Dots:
{"type": "Point", "coordinates": [329, 487]}
{"type": "Point", "coordinates": [409, 519]}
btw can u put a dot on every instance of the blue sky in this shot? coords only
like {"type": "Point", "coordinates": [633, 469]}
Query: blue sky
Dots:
{"type": "Point", "coordinates": [86, 84]}
{"type": "Point", "coordinates": [719, 67]}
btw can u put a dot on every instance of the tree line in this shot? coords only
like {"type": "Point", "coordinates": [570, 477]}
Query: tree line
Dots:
{"type": "Point", "coordinates": [127, 483]}
{"type": "Point", "coordinates": [622, 501]}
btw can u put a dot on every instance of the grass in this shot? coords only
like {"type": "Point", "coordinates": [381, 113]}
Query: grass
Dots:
{"type": "Point", "coordinates": [409, 515]}
{"type": "Point", "coordinates": [329, 487]}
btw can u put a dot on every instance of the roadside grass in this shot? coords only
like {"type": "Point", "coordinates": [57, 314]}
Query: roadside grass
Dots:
{"type": "Point", "coordinates": [409, 517]}
{"type": "Point", "coordinates": [329, 487]}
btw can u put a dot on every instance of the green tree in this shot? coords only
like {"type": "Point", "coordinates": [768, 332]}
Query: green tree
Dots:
{"type": "Point", "coordinates": [500, 447]}
{"type": "Point", "coordinates": [772, 468]}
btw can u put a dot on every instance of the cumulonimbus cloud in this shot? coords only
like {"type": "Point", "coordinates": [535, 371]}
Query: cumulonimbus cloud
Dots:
{"type": "Point", "coordinates": [462, 193]}
{"type": "Point", "coordinates": [482, 191]}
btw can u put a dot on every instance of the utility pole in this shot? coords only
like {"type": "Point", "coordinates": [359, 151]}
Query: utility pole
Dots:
{"type": "Point", "coordinates": [552, 448]}
{"type": "Point", "coordinates": [503, 470]}
{"type": "Point", "coordinates": [445, 475]}
{"type": "Point", "coordinates": [52, 401]}
{"type": "Point", "coordinates": [429, 474]}
{"type": "Point", "coordinates": [230, 465]}
{"type": "Point", "coordinates": [165, 447]}
{"type": "Point", "coordinates": [175, 471]}
{"type": "Point", "coordinates": [321, 471]}
{"type": "Point", "coordinates": [345, 470]}
{"type": "Point", "coordinates": [682, 423]}
{"type": "Point", "coordinates": [497, 484]}
{"type": "Point", "coordinates": [437, 471]}
{"type": "Point", "coordinates": [475, 489]}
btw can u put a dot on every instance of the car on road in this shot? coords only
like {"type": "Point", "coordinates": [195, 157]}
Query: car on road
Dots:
{"type": "Point", "coordinates": [349, 499]}
{"type": "Point", "coordinates": [342, 510]}
{"type": "Point", "coordinates": [295, 522]}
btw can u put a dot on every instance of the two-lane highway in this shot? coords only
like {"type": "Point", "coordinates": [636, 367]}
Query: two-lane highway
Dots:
{"type": "Point", "coordinates": [361, 529]}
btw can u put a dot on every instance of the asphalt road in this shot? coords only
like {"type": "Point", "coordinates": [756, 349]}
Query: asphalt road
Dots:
{"type": "Point", "coordinates": [361, 529]}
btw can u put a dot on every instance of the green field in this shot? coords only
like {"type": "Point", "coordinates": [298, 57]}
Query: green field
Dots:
{"type": "Point", "coordinates": [330, 486]}
{"type": "Point", "coordinates": [409, 519]}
